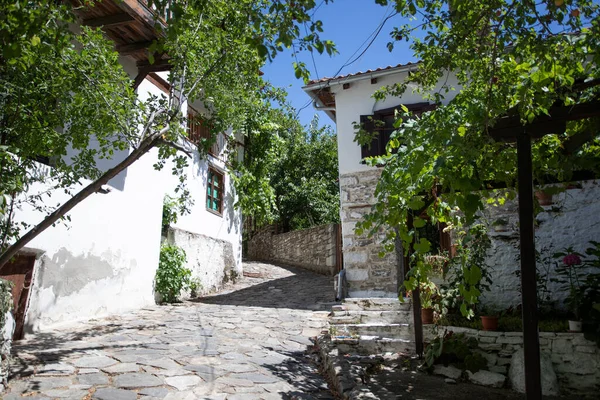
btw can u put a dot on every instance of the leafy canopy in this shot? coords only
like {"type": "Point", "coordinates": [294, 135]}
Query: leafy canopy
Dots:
{"type": "Point", "coordinates": [495, 57]}
{"type": "Point", "coordinates": [65, 92]}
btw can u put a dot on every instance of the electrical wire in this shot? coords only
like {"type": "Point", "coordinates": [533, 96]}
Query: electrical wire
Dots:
{"type": "Point", "coordinates": [373, 36]}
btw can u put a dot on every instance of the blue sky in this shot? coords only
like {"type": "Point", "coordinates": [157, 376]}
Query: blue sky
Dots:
{"type": "Point", "coordinates": [349, 23]}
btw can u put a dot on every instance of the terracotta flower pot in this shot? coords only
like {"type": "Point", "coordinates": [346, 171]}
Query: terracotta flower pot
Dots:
{"type": "Point", "coordinates": [489, 323]}
{"type": "Point", "coordinates": [427, 316]}
{"type": "Point", "coordinates": [545, 199]}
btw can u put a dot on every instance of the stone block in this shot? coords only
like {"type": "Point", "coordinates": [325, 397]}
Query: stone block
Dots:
{"type": "Point", "coordinates": [499, 369]}
{"type": "Point", "coordinates": [509, 340]}
{"type": "Point", "coordinates": [487, 339]}
{"type": "Point", "coordinates": [516, 374]}
{"type": "Point", "coordinates": [562, 346]}
{"type": "Point", "coordinates": [355, 257]}
{"type": "Point", "coordinates": [587, 349]}
{"type": "Point", "coordinates": [353, 274]}
{"type": "Point", "coordinates": [502, 361]}
{"type": "Point", "coordinates": [490, 333]}
{"type": "Point", "coordinates": [487, 378]}
{"type": "Point", "coordinates": [449, 371]}
{"type": "Point", "coordinates": [490, 346]}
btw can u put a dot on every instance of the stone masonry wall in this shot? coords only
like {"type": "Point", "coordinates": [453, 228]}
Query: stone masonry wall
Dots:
{"type": "Point", "coordinates": [368, 275]}
{"type": "Point", "coordinates": [576, 361]}
{"type": "Point", "coordinates": [313, 248]}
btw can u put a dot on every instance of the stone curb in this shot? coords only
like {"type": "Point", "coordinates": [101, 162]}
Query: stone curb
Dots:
{"type": "Point", "coordinates": [344, 380]}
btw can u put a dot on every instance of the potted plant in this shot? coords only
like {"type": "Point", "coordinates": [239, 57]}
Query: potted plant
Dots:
{"type": "Point", "coordinates": [569, 271]}
{"type": "Point", "coordinates": [428, 293]}
{"type": "Point", "coordinates": [489, 319]}
{"type": "Point", "coordinates": [544, 198]}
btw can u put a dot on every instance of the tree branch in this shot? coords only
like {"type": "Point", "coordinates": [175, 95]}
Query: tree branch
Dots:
{"type": "Point", "coordinates": [174, 145]}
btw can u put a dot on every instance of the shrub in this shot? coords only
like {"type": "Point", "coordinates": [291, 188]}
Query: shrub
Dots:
{"type": "Point", "coordinates": [171, 276]}
{"type": "Point", "coordinates": [456, 349]}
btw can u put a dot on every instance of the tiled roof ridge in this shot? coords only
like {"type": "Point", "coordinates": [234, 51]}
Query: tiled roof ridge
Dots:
{"type": "Point", "coordinates": [359, 73]}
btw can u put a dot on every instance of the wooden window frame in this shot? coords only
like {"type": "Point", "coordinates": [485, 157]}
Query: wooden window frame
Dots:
{"type": "Point", "coordinates": [381, 139]}
{"type": "Point", "coordinates": [210, 186]}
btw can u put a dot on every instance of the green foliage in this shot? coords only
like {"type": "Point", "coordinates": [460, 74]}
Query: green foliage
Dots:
{"type": "Point", "coordinates": [171, 277]}
{"type": "Point", "coordinates": [6, 300]}
{"type": "Point", "coordinates": [66, 93]}
{"type": "Point", "coordinates": [289, 172]}
{"type": "Point", "coordinates": [173, 207]}
{"type": "Point", "coordinates": [508, 57]}
{"type": "Point", "coordinates": [306, 178]}
{"type": "Point", "coordinates": [454, 349]}
{"type": "Point", "coordinates": [195, 286]}
{"type": "Point", "coordinates": [468, 274]}
{"type": "Point", "coordinates": [61, 91]}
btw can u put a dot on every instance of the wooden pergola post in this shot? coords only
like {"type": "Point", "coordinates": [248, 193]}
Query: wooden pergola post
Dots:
{"type": "Point", "coordinates": [531, 343]}
{"type": "Point", "coordinates": [510, 129]}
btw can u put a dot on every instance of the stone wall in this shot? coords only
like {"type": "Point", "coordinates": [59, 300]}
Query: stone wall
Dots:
{"type": "Point", "coordinates": [211, 260]}
{"type": "Point", "coordinates": [573, 220]}
{"type": "Point", "coordinates": [313, 248]}
{"type": "Point", "coordinates": [576, 361]}
{"type": "Point", "coordinates": [368, 275]}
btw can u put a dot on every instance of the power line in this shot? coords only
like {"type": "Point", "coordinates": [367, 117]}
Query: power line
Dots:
{"type": "Point", "coordinates": [373, 36]}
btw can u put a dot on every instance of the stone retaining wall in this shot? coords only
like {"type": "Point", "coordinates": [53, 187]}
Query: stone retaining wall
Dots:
{"type": "Point", "coordinates": [576, 360]}
{"type": "Point", "coordinates": [368, 275]}
{"type": "Point", "coordinates": [313, 248]}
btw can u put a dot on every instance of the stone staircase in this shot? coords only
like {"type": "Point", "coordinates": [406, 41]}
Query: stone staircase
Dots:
{"type": "Point", "coordinates": [373, 326]}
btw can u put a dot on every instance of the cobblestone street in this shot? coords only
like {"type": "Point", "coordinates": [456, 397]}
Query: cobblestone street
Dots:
{"type": "Point", "coordinates": [248, 342]}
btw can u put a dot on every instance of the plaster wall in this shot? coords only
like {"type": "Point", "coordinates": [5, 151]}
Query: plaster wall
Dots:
{"type": "Point", "coordinates": [211, 260]}
{"type": "Point", "coordinates": [572, 221]}
{"type": "Point", "coordinates": [357, 100]}
{"type": "Point", "coordinates": [104, 260]}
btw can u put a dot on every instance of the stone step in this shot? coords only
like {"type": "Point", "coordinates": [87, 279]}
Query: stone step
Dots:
{"type": "Point", "coordinates": [375, 304]}
{"type": "Point", "coordinates": [366, 345]}
{"type": "Point", "coordinates": [398, 331]}
{"type": "Point", "coordinates": [367, 317]}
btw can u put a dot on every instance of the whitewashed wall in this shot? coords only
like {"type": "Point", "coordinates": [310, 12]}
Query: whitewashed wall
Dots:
{"type": "Point", "coordinates": [572, 221]}
{"type": "Point", "coordinates": [357, 100]}
{"type": "Point", "coordinates": [104, 261]}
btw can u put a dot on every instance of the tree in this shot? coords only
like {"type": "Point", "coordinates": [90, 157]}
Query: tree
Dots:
{"type": "Point", "coordinates": [289, 173]}
{"type": "Point", "coordinates": [60, 90]}
{"type": "Point", "coordinates": [510, 58]}
{"type": "Point", "coordinates": [305, 178]}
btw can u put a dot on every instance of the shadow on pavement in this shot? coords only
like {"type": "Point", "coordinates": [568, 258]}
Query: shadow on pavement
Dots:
{"type": "Point", "coordinates": [304, 290]}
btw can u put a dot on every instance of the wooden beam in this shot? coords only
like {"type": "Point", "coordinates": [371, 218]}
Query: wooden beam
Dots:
{"type": "Point", "coordinates": [131, 48]}
{"type": "Point", "coordinates": [509, 128]}
{"type": "Point", "coordinates": [139, 78]}
{"type": "Point", "coordinates": [158, 66]}
{"type": "Point", "coordinates": [159, 82]}
{"type": "Point", "coordinates": [110, 20]}
{"type": "Point", "coordinates": [531, 343]}
{"type": "Point", "coordinates": [142, 13]}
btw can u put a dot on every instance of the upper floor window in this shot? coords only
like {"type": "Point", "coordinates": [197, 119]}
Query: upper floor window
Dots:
{"type": "Point", "coordinates": [381, 123]}
{"type": "Point", "coordinates": [214, 191]}
{"type": "Point", "coordinates": [198, 128]}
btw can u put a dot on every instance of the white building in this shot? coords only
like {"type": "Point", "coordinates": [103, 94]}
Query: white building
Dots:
{"type": "Point", "coordinates": [104, 261]}
{"type": "Point", "coordinates": [574, 220]}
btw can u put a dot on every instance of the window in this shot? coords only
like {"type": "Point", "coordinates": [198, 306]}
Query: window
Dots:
{"type": "Point", "coordinates": [214, 191]}
{"type": "Point", "coordinates": [196, 126]}
{"type": "Point", "coordinates": [382, 122]}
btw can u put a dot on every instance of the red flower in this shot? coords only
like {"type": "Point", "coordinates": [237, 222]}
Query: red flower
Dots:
{"type": "Point", "coordinates": [571, 259]}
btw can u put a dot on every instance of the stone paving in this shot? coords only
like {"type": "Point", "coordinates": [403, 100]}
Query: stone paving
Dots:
{"type": "Point", "coordinates": [248, 342]}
